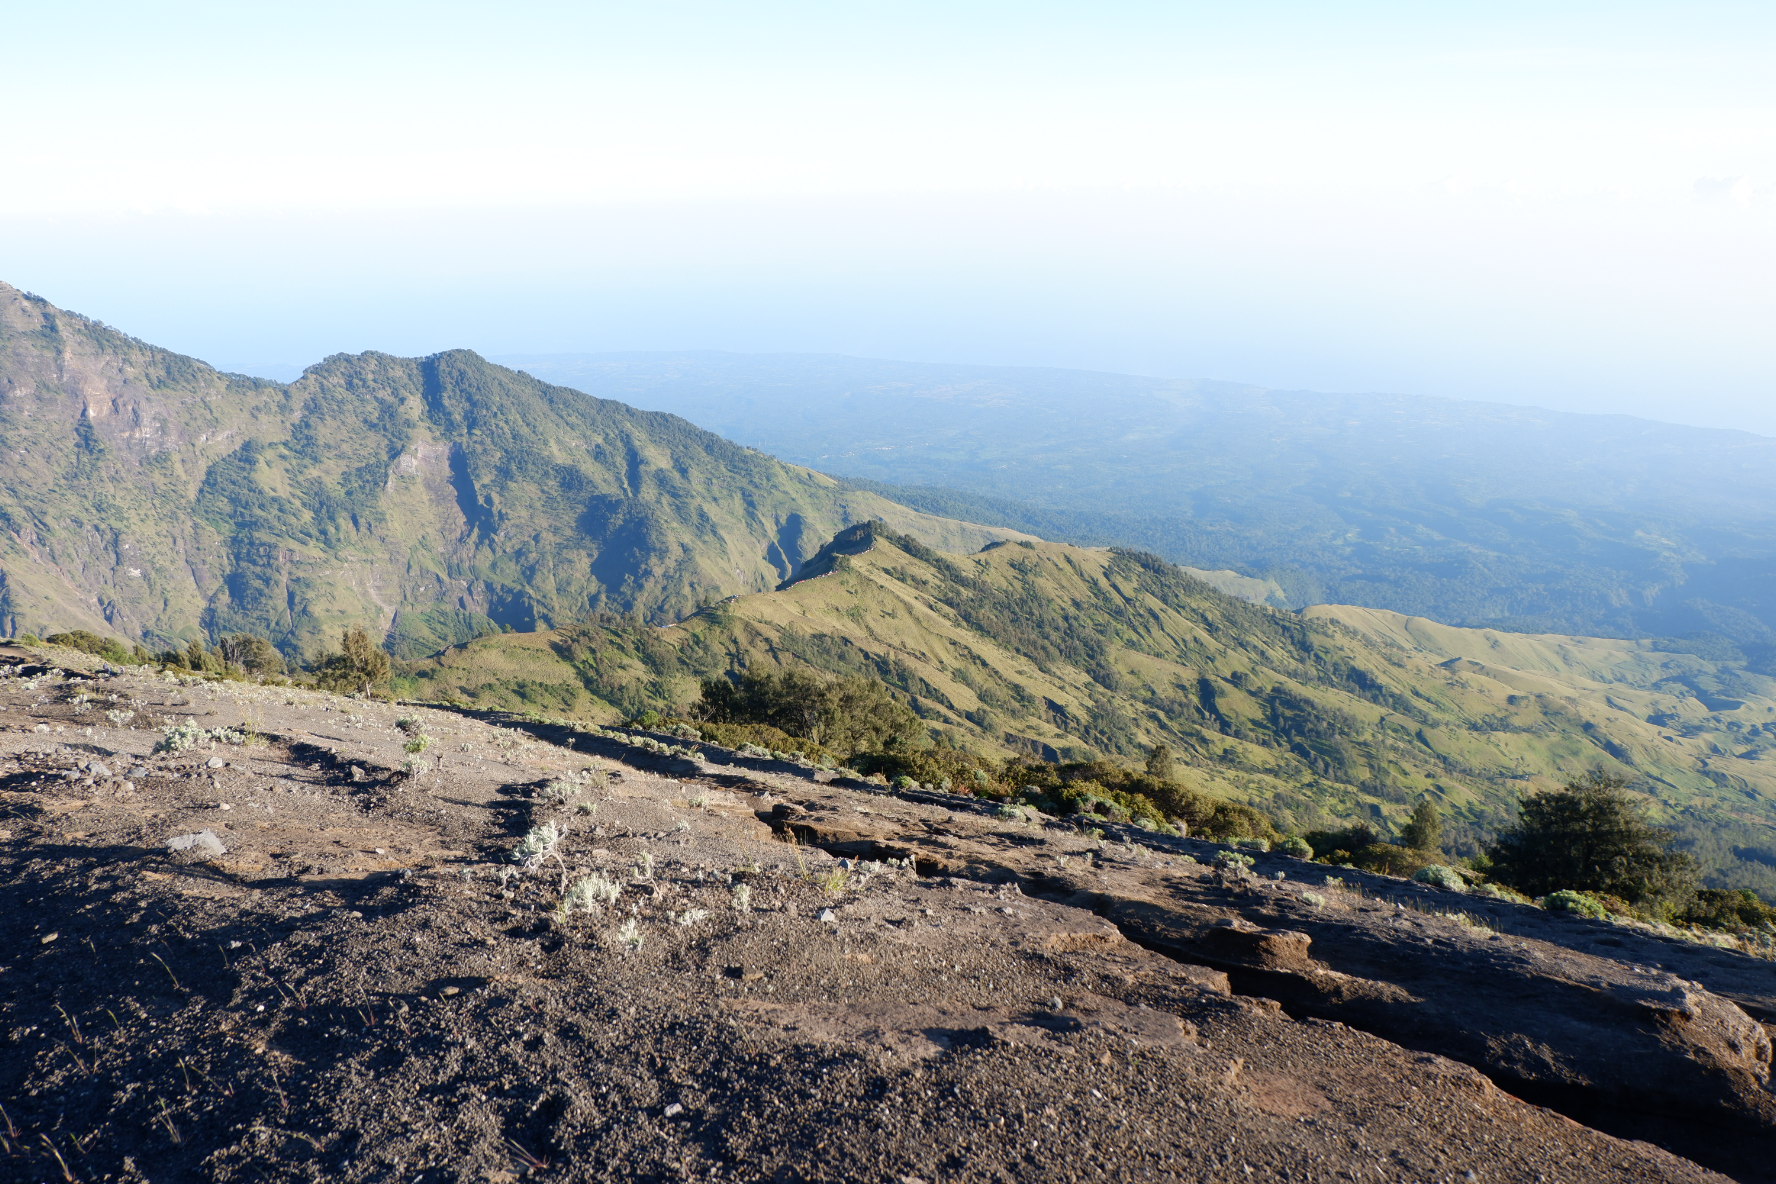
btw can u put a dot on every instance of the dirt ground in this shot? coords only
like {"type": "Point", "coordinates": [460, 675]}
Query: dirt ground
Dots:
{"type": "Point", "coordinates": [359, 977]}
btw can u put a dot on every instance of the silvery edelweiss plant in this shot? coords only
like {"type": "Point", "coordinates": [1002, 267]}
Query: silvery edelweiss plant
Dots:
{"type": "Point", "coordinates": [539, 845]}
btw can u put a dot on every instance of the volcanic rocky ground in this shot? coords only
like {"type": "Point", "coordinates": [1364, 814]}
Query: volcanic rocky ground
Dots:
{"type": "Point", "coordinates": [799, 979]}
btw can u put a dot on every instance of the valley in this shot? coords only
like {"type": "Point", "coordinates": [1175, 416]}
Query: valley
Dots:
{"type": "Point", "coordinates": [1473, 513]}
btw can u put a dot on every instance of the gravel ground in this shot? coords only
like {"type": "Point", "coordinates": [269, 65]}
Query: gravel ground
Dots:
{"type": "Point", "coordinates": [364, 983]}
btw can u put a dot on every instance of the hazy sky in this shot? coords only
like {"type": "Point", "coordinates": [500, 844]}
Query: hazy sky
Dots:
{"type": "Point", "coordinates": [1568, 204]}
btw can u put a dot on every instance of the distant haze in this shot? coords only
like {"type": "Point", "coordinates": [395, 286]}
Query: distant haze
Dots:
{"type": "Point", "coordinates": [1574, 209]}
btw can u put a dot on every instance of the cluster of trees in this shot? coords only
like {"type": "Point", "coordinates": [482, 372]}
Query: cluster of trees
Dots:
{"type": "Point", "coordinates": [108, 648]}
{"type": "Point", "coordinates": [1591, 837]}
{"type": "Point", "coordinates": [234, 655]}
{"type": "Point", "coordinates": [856, 720]}
{"type": "Point", "coordinates": [848, 716]}
{"type": "Point", "coordinates": [359, 666]}
{"type": "Point", "coordinates": [1594, 837]}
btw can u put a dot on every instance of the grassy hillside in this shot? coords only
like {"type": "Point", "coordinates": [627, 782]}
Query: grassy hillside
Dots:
{"type": "Point", "coordinates": [1475, 513]}
{"type": "Point", "coordinates": [1067, 653]}
{"type": "Point", "coordinates": [437, 498]}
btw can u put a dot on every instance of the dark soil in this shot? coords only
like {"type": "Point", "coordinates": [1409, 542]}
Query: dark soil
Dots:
{"type": "Point", "coordinates": [365, 985]}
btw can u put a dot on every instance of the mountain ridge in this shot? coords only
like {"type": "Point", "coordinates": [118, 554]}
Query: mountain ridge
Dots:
{"type": "Point", "coordinates": [434, 498]}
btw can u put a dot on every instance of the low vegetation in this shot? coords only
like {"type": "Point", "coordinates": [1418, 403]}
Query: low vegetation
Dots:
{"type": "Point", "coordinates": [1068, 657]}
{"type": "Point", "coordinates": [1589, 847]}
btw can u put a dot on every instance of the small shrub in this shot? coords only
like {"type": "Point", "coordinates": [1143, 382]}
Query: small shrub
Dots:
{"type": "Point", "coordinates": [1297, 846]}
{"type": "Point", "coordinates": [1439, 875]}
{"type": "Point", "coordinates": [538, 845]}
{"type": "Point", "coordinates": [1581, 904]}
{"type": "Point", "coordinates": [1252, 844]}
{"type": "Point", "coordinates": [186, 736]}
{"type": "Point", "coordinates": [742, 898]}
{"type": "Point", "coordinates": [834, 881]}
{"type": "Point", "coordinates": [418, 744]}
{"type": "Point", "coordinates": [588, 893]}
{"type": "Point", "coordinates": [1234, 860]}
{"type": "Point", "coordinates": [408, 724]}
{"type": "Point", "coordinates": [558, 792]}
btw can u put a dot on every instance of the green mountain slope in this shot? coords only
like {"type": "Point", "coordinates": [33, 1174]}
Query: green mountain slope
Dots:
{"type": "Point", "coordinates": [1474, 513]}
{"type": "Point", "coordinates": [147, 494]}
{"type": "Point", "coordinates": [1067, 652]}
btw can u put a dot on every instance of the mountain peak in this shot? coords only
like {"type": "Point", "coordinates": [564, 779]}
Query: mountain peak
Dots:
{"type": "Point", "coordinates": [431, 498]}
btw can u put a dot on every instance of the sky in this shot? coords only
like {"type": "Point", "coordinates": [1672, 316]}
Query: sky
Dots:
{"type": "Point", "coordinates": [1570, 205]}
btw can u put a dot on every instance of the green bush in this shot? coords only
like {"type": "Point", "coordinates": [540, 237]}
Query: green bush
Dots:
{"type": "Point", "coordinates": [1141, 794]}
{"type": "Point", "coordinates": [764, 737]}
{"type": "Point", "coordinates": [1735, 910]}
{"type": "Point", "coordinates": [847, 715]}
{"type": "Point", "coordinates": [1581, 904]}
{"type": "Point", "coordinates": [936, 765]}
{"type": "Point", "coordinates": [1297, 846]}
{"type": "Point", "coordinates": [108, 648]}
{"type": "Point", "coordinates": [1360, 847]}
{"type": "Point", "coordinates": [1439, 875]}
{"type": "Point", "coordinates": [1500, 892]}
{"type": "Point", "coordinates": [1341, 846]}
{"type": "Point", "coordinates": [1092, 799]}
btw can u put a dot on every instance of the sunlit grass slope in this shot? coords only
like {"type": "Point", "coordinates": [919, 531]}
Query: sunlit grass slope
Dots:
{"type": "Point", "coordinates": [1065, 652]}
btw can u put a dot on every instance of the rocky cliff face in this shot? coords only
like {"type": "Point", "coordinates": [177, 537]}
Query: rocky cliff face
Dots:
{"type": "Point", "coordinates": [148, 494]}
